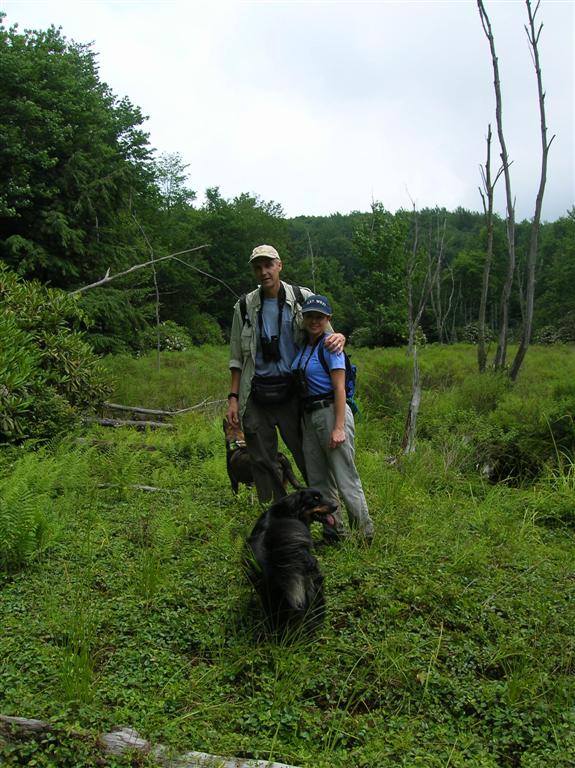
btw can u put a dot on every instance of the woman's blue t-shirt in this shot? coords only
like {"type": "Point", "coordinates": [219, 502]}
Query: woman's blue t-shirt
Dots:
{"type": "Point", "coordinates": [317, 380]}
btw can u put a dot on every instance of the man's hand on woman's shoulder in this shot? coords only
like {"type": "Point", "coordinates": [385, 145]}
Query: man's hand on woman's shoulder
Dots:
{"type": "Point", "coordinates": [335, 342]}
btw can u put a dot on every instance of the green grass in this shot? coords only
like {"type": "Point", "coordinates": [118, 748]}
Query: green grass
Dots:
{"type": "Point", "coordinates": [448, 643]}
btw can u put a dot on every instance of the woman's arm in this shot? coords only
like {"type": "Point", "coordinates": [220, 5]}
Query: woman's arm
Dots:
{"type": "Point", "coordinates": [338, 383]}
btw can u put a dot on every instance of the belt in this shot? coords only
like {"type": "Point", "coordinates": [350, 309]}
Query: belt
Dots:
{"type": "Point", "coordinates": [315, 405]}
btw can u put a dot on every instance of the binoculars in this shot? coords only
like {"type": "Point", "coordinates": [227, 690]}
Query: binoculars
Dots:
{"type": "Point", "coordinates": [300, 382]}
{"type": "Point", "coordinates": [271, 349]}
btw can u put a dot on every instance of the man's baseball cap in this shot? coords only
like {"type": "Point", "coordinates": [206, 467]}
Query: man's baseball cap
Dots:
{"type": "Point", "coordinates": [264, 252]}
{"type": "Point", "coordinates": [317, 303]}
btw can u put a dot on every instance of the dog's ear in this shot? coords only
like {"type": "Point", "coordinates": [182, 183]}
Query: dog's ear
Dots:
{"type": "Point", "coordinates": [288, 506]}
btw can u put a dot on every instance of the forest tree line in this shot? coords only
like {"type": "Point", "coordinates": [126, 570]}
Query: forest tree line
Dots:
{"type": "Point", "coordinates": [83, 194]}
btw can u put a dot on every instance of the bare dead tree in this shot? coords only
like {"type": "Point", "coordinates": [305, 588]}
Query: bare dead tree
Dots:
{"type": "Point", "coordinates": [435, 293]}
{"type": "Point", "coordinates": [449, 303]}
{"type": "Point", "coordinates": [413, 318]}
{"type": "Point", "coordinates": [521, 294]}
{"type": "Point", "coordinates": [310, 249]}
{"type": "Point", "coordinates": [157, 290]}
{"type": "Point", "coordinates": [414, 314]}
{"type": "Point", "coordinates": [410, 270]}
{"type": "Point", "coordinates": [108, 277]}
{"type": "Point", "coordinates": [487, 195]}
{"type": "Point", "coordinates": [408, 440]}
{"type": "Point", "coordinates": [533, 37]}
{"type": "Point", "coordinates": [501, 353]}
{"type": "Point", "coordinates": [459, 306]}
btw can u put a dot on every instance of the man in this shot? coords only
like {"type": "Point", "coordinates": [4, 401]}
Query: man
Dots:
{"type": "Point", "coordinates": [262, 346]}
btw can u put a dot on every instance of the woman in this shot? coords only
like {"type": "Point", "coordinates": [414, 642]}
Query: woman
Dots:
{"type": "Point", "coordinates": [328, 425]}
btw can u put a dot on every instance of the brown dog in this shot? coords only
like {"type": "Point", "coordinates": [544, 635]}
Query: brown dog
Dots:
{"type": "Point", "coordinates": [238, 461]}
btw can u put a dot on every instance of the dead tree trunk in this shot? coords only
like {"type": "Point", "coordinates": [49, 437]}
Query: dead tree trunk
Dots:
{"type": "Point", "coordinates": [435, 293]}
{"type": "Point", "coordinates": [501, 353]}
{"type": "Point", "coordinates": [310, 249]}
{"type": "Point", "coordinates": [408, 441]}
{"type": "Point", "coordinates": [414, 317]}
{"type": "Point", "coordinates": [444, 334]}
{"type": "Point", "coordinates": [533, 37]}
{"type": "Point", "coordinates": [489, 189]}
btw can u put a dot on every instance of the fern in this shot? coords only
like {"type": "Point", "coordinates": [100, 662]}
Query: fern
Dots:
{"type": "Point", "coordinates": [20, 510]}
{"type": "Point", "coordinates": [35, 497]}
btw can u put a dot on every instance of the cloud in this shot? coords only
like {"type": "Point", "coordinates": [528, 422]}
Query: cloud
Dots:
{"type": "Point", "coordinates": [322, 106]}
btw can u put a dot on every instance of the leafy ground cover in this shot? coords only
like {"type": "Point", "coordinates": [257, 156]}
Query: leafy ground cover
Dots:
{"type": "Point", "coordinates": [449, 642]}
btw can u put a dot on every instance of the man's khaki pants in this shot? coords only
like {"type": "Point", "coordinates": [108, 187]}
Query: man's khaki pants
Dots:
{"type": "Point", "coordinates": [260, 425]}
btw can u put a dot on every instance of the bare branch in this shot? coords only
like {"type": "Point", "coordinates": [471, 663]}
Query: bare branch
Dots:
{"type": "Point", "coordinates": [482, 199]}
{"type": "Point", "coordinates": [108, 278]}
{"type": "Point", "coordinates": [207, 274]}
{"type": "Point", "coordinates": [498, 175]}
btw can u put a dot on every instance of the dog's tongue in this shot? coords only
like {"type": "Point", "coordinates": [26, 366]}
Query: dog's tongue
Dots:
{"type": "Point", "coordinates": [330, 520]}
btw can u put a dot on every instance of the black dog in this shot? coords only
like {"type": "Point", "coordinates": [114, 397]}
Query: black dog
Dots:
{"type": "Point", "coordinates": [238, 461]}
{"type": "Point", "coordinates": [280, 565]}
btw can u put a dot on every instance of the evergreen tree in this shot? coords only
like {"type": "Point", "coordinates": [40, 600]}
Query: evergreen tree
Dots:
{"type": "Point", "coordinates": [73, 160]}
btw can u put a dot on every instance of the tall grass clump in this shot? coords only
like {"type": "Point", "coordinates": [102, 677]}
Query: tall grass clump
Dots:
{"type": "Point", "coordinates": [184, 378]}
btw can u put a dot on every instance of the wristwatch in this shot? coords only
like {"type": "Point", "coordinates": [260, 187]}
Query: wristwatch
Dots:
{"type": "Point", "coordinates": [233, 394]}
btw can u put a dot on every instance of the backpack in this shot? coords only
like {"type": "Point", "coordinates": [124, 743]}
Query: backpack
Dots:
{"type": "Point", "coordinates": [350, 377]}
{"type": "Point", "coordinates": [244, 304]}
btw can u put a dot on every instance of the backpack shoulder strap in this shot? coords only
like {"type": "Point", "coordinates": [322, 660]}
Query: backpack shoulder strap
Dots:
{"type": "Point", "coordinates": [321, 357]}
{"type": "Point", "coordinates": [298, 294]}
{"type": "Point", "coordinates": [244, 309]}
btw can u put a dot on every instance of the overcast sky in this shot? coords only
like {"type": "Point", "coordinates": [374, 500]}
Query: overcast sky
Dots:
{"type": "Point", "coordinates": [324, 106]}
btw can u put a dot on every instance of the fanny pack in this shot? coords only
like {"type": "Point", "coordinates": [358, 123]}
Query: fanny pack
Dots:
{"type": "Point", "coordinates": [272, 390]}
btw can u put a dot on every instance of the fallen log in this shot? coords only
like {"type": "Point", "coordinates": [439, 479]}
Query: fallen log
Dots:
{"type": "Point", "coordinates": [206, 403]}
{"type": "Point", "coordinates": [111, 444]}
{"type": "Point", "coordinates": [126, 423]}
{"type": "Point", "coordinates": [137, 409]}
{"type": "Point", "coordinates": [135, 487]}
{"type": "Point", "coordinates": [122, 740]}
{"type": "Point", "coordinates": [23, 726]}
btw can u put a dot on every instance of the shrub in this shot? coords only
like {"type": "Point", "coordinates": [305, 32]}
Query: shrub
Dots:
{"type": "Point", "coordinates": [362, 337]}
{"type": "Point", "coordinates": [548, 334]}
{"type": "Point", "coordinates": [48, 371]}
{"type": "Point", "coordinates": [205, 330]}
{"type": "Point", "coordinates": [173, 338]}
{"type": "Point", "coordinates": [562, 333]}
{"type": "Point", "coordinates": [470, 333]}
{"type": "Point", "coordinates": [117, 316]}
